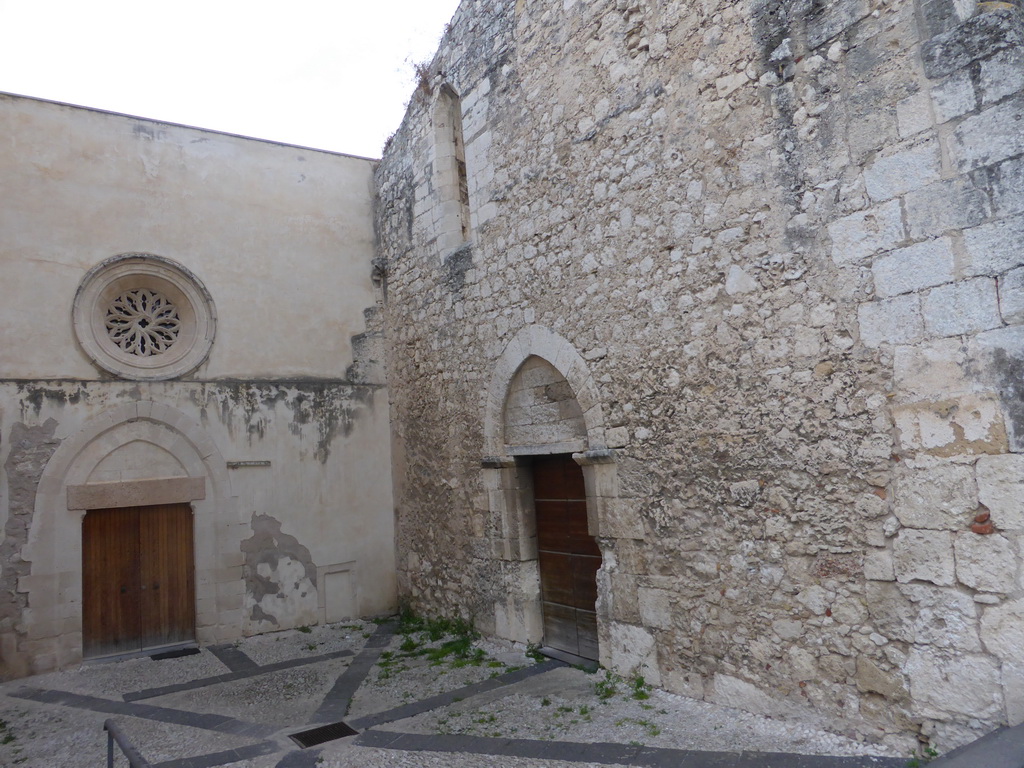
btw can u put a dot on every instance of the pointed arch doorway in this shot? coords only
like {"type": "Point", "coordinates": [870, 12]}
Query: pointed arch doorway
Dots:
{"type": "Point", "coordinates": [568, 556]}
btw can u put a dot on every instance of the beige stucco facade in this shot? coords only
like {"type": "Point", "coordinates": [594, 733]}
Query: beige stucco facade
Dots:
{"type": "Point", "coordinates": [275, 432]}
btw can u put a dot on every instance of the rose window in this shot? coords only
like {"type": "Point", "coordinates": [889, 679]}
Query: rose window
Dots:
{"type": "Point", "coordinates": [143, 322]}
{"type": "Point", "coordinates": [144, 317]}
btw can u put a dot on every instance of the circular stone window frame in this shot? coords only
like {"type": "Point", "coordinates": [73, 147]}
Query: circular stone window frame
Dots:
{"type": "Point", "coordinates": [115, 276]}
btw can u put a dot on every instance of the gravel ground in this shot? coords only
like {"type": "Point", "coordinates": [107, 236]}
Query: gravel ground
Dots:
{"type": "Point", "coordinates": [564, 704]}
{"type": "Point", "coordinates": [100, 678]}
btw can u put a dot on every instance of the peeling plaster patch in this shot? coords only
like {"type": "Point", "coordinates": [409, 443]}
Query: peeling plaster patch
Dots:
{"type": "Point", "coordinates": [280, 577]}
{"type": "Point", "coordinates": [31, 449]}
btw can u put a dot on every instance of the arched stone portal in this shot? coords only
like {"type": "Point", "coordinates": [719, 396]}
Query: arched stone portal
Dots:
{"type": "Point", "coordinates": [136, 455]}
{"type": "Point", "coordinates": [542, 401]}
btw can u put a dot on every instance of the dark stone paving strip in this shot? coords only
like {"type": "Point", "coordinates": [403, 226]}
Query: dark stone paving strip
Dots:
{"type": "Point", "coordinates": [209, 722]}
{"type": "Point", "coordinates": [612, 754]}
{"type": "Point", "coordinates": [232, 658]}
{"type": "Point", "coordinates": [223, 758]}
{"type": "Point", "coordinates": [444, 699]}
{"type": "Point", "coordinates": [307, 758]}
{"type": "Point", "coordinates": [228, 677]}
{"type": "Point", "coordinates": [335, 704]}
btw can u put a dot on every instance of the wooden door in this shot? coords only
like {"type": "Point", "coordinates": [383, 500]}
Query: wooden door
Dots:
{"type": "Point", "coordinates": [168, 591]}
{"type": "Point", "coordinates": [111, 584]}
{"type": "Point", "coordinates": [569, 556]}
{"type": "Point", "coordinates": [138, 588]}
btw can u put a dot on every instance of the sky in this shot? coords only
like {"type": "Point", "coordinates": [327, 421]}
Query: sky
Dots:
{"type": "Point", "coordinates": [327, 74]}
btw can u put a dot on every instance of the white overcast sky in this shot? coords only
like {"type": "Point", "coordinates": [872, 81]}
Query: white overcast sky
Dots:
{"type": "Point", "coordinates": [329, 74]}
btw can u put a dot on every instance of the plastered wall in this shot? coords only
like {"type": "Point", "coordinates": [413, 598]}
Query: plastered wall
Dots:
{"type": "Point", "coordinates": [278, 440]}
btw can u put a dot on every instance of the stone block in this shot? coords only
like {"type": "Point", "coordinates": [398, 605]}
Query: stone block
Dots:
{"type": "Point", "coordinates": [655, 607]}
{"type": "Point", "coordinates": [730, 691]}
{"type": "Point", "coordinates": [942, 617]}
{"type": "Point", "coordinates": [938, 16]}
{"type": "Point", "coordinates": [954, 96]}
{"type": "Point", "coordinates": [914, 114]}
{"type": "Point", "coordinates": [890, 611]}
{"type": "Point", "coordinates": [864, 233]}
{"type": "Point", "coordinates": [924, 556]}
{"type": "Point", "coordinates": [633, 652]}
{"type": "Point", "coordinates": [942, 497]}
{"type": "Point", "coordinates": [989, 136]}
{"type": "Point", "coordinates": [878, 565]}
{"type": "Point", "coordinates": [968, 306]}
{"type": "Point", "coordinates": [891, 321]}
{"type": "Point", "coordinates": [932, 370]}
{"type": "Point", "coordinates": [1002, 630]}
{"type": "Point", "coordinates": [965, 685]}
{"type": "Point", "coordinates": [1001, 489]}
{"type": "Point", "coordinates": [834, 18]}
{"type": "Point", "coordinates": [904, 170]}
{"type": "Point", "coordinates": [995, 247]}
{"type": "Point", "coordinates": [945, 206]}
{"type": "Point", "coordinates": [999, 356]}
{"type": "Point", "coordinates": [923, 265]}
{"type": "Point", "coordinates": [1006, 181]}
{"type": "Point", "coordinates": [1013, 692]}
{"type": "Point", "coordinates": [872, 679]}
{"type": "Point", "coordinates": [1011, 296]}
{"type": "Point", "coordinates": [975, 38]}
{"type": "Point", "coordinates": [985, 563]}
{"type": "Point", "coordinates": [1002, 75]}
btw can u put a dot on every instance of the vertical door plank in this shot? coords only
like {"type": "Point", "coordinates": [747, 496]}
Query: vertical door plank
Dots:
{"type": "Point", "coordinates": [569, 556]}
{"type": "Point", "coordinates": [110, 581]}
{"type": "Point", "coordinates": [168, 575]}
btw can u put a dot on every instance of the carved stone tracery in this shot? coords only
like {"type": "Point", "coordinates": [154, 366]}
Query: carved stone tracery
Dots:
{"type": "Point", "coordinates": [143, 322]}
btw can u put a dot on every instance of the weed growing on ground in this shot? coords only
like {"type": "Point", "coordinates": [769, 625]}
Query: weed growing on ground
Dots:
{"type": "Point", "coordinates": [607, 687]}
{"type": "Point", "coordinates": [420, 636]}
{"type": "Point", "coordinates": [652, 728]}
{"type": "Point", "coordinates": [6, 737]}
{"type": "Point", "coordinates": [304, 629]}
{"type": "Point", "coordinates": [928, 754]}
{"type": "Point", "coordinates": [533, 652]}
{"type": "Point", "coordinates": [641, 690]}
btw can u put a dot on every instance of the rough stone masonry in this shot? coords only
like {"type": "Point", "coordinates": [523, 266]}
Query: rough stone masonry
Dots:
{"type": "Point", "coordinates": [775, 251]}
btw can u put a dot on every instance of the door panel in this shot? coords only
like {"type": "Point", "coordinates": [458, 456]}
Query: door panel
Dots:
{"type": "Point", "coordinates": [110, 581]}
{"type": "Point", "coordinates": [568, 556]}
{"type": "Point", "coordinates": [168, 612]}
{"type": "Point", "coordinates": [138, 584]}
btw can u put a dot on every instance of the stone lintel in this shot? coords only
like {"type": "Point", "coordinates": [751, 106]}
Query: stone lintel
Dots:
{"type": "Point", "coordinates": [497, 462]}
{"type": "Point", "coordinates": [597, 456]}
{"type": "Point", "coordinates": [136, 493]}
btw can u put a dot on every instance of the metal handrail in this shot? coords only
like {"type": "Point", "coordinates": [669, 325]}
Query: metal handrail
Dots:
{"type": "Point", "coordinates": [114, 733]}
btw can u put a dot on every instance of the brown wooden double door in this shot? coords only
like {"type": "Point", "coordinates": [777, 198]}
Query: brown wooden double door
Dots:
{"type": "Point", "coordinates": [138, 578]}
{"type": "Point", "coordinates": [569, 556]}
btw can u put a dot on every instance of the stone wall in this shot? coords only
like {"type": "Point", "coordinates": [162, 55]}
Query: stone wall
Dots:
{"type": "Point", "coordinates": [773, 248]}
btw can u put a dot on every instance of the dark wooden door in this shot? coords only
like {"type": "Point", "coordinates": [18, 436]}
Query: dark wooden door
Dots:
{"type": "Point", "coordinates": [569, 556]}
{"type": "Point", "coordinates": [111, 584]}
{"type": "Point", "coordinates": [138, 588]}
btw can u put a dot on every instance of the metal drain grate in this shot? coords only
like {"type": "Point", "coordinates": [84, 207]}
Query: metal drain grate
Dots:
{"type": "Point", "coordinates": [315, 736]}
